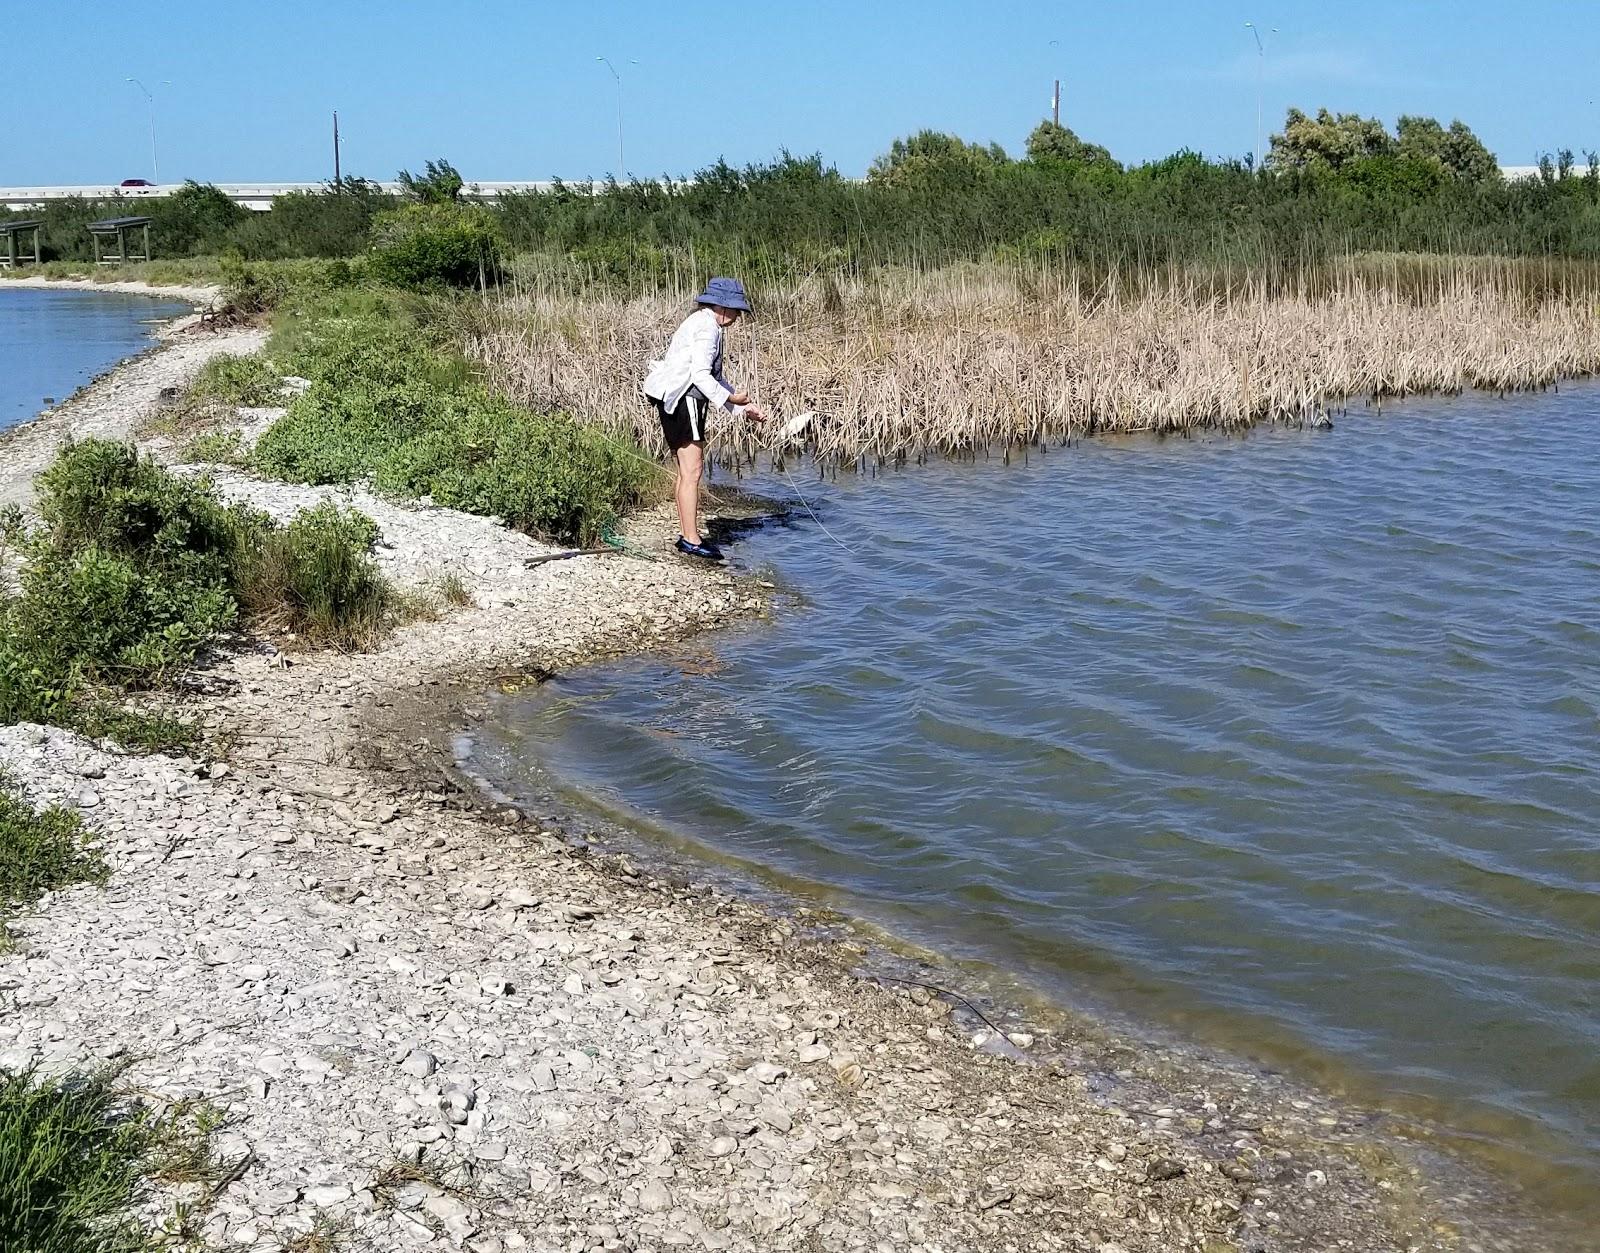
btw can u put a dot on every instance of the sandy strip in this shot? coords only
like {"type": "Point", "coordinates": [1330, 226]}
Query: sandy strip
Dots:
{"type": "Point", "coordinates": [434, 1023]}
{"type": "Point", "coordinates": [196, 293]}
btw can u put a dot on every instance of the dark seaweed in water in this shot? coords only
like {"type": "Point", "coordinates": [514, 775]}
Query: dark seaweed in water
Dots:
{"type": "Point", "coordinates": [1287, 740]}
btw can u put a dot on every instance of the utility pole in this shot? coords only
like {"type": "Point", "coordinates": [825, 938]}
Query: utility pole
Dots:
{"type": "Point", "coordinates": [1055, 104]}
{"type": "Point", "coordinates": [337, 184]}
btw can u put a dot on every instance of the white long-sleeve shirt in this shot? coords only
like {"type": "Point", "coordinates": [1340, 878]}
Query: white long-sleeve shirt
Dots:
{"type": "Point", "coordinates": [694, 359]}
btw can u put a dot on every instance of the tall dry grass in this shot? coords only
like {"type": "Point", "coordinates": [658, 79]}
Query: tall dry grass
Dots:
{"type": "Point", "coordinates": [902, 363]}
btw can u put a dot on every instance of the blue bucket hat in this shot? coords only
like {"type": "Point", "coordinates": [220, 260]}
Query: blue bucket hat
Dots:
{"type": "Point", "coordinates": [727, 292]}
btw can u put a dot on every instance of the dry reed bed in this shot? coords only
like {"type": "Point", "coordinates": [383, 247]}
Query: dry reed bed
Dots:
{"type": "Point", "coordinates": [901, 365]}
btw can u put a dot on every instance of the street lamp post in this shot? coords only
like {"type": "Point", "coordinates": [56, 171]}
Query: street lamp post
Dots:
{"type": "Point", "coordinates": [1261, 73]}
{"type": "Point", "coordinates": [622, 167]}
{"type": "Point", "coordinates": [155, 165]}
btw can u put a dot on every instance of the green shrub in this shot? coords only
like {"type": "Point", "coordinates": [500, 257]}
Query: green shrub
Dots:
{"type": "Point", "coordinates": [90, 614]}
{"type": "Point", "coordinates": [130, 576]}
{"type": "Point", "coordinates": [235, 380]}
{"type": "Point", "coordinates": [435, 245]}
{"type": "Point", "coordinates": [72, 1158]}
{"type": "Point", "coordinates": [103, 493]}
{"type": "Point", "coordinates": [386, 405]}
{"type": "Point", "coordinates": [39, 852]}
{"type": "Point", "coordinates": [135, 570]}
{"type": "Point", "coordinates": [315, 577]}
{"type": "Point", "coordinates": [541, 473]}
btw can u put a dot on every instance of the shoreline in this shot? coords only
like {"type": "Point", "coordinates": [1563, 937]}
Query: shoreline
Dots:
{"type": "Point", "coordinates": [651, 1060]}
{"type": "Point", "coordinates": [1051, 1006]}
{"type": "Point", "coordinates": [195, 293]}
{"type": "Point", "coordinates": [114, 403]}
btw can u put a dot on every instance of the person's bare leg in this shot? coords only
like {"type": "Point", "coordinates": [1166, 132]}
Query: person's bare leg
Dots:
{"type": "Point", "coordinates": [688, 492]}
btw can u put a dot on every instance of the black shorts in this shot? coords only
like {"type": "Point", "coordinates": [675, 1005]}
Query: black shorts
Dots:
{"type": "Point", "coordinates": [686, 424]}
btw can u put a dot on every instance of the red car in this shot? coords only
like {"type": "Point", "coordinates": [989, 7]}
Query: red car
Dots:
{"type": "Point", "coordinates": [137, 182]}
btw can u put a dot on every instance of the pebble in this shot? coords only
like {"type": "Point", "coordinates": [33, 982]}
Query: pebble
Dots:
{"type": "Point", "coordinates": [419, 1062]}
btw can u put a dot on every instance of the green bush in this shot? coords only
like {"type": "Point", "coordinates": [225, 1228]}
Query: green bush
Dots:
{"type": "Point", "coordinates": [109, 617]}
{"type": "Point", "coordinates": [385, 405]}
{"type": "Point", "coordinates": [465, 448]}
{"type": "Point", "coordinates": [130, 576]}
{"type": "Point", "coordinates": [315, 577]}
{"type": "Point", "coordinates": [234, 380]}
{"type": "Point", "coordinates": [543, 473]}
{"type": "Point", "coordinates": [135, 570]}
{"type": "Point", "coordinates": [435, 245]}
{"type": "Point", "coordinates": [72, 1157]}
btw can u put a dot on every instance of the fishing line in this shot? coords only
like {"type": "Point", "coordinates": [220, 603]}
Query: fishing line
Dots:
{"type": "Point", "coordinates": [813, 514]}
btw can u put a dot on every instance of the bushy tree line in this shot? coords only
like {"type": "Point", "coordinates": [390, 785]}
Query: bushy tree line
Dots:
{"type": "Point", "coordinates": [1332, 184]}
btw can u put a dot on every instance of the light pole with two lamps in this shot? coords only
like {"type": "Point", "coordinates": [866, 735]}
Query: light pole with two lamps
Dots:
{"type": "Point", "coordinates": [622, 167]}
{"type": "Point", "coordinates": [155, 165]}
{"type": "Point", "coordinates": [1261, 73]}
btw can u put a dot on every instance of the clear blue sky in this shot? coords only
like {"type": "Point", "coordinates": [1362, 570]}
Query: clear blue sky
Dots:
{"type": "Point", "coordinates": [512, 90]}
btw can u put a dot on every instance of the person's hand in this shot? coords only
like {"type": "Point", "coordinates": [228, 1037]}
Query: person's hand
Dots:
{"type": "Point", "coordinates": [754, 414]}
{"type": "Point", "coordinates": [739, 398]}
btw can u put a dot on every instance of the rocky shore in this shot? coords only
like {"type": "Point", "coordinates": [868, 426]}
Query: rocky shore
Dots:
{"type": "Point", "coordinates": [427, 1021]}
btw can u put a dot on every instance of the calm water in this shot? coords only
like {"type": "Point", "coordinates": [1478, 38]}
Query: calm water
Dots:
{"type": "Point", "coordinates": [1293, 740]}
{"type": "Point", "coordinates": [53, 342]}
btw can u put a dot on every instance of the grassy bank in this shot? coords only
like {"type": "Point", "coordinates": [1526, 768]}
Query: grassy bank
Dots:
{"type": "Point", "coordinates": [904, 362]}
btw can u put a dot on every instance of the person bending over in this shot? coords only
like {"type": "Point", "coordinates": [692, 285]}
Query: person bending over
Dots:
{"type": "Point", "coordinates": [685, 386]}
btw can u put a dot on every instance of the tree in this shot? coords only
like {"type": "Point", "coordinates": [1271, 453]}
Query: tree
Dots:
{"type": "Point", "coordinates": [1457, 150]}
{"type": "Point", "coordinates": [1328, 141]}
{"type": "Point", "coordinates": [1052, 141]}
{"type": "Point", "coordinates": [197, 218]}
{"type": "Point", "coordinates": [918, 154]}
{"type": "Point", "coordinates": [439, 183]}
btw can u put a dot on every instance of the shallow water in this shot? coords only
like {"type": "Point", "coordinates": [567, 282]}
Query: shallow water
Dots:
{"type": "Point", "coordinates": [1289, 740]}
{"type": "Point", "coordinates": [53, 342]}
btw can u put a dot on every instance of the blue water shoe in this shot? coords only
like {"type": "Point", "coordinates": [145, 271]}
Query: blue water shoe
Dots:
{"type": "Point", "coordinates": [710, 552]}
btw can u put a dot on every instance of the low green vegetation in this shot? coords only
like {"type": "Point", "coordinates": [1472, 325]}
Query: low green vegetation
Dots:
{"type": "Point", "coordinates": [73, 1157]}
{"type": "Point", "coordinates": [233, 380]}
{"type": "Point", "coordinates": [387, 403]}
{"type": "Point", "coordinates": [214, 448]}
{"type": "Point", "coordinates": [78, 1154]}
{"type": "Point", "coordinates": [134, 570]}
{"type": "Point", "coordinates": [40, 851]}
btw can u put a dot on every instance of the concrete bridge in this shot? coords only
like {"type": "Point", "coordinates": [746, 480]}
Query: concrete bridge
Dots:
{"type": "Point", "coordinates": [256, 196]}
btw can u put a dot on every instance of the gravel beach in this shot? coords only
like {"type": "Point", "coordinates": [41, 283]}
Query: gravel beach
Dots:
{"type": "Point", "coordinates": [436, 1022]}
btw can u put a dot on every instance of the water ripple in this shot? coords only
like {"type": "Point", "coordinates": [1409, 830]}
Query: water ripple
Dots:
{"type": "Point", "coordinates": [1294, 735]}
